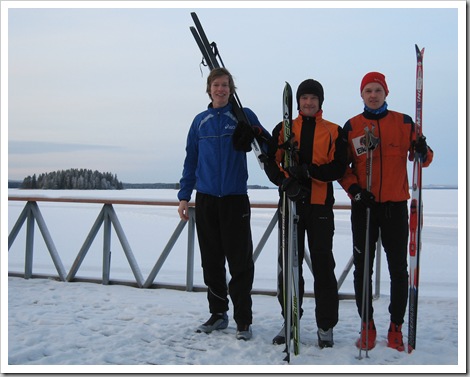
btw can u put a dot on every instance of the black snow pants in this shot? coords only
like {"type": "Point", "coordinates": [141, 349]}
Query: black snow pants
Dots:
{"type": "Point", "coordinates": [317, 221]}
{"type": "Point", "coordinates": [390, 219]}
{"type": "Point", "coordinates": [224, 233]}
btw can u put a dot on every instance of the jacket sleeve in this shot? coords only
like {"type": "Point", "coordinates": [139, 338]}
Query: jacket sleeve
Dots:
{"type": "Point", "coordinates": [271, 167]}
{"type": "Point", "coordinates": [349, 178]}
{"type": "Point", "coordinates": [261, 134]}
{"type": "Point", "coordinates": [188, 180]}
{"type": "Point", "coordinates": [430, 153]}
{"type": "Point", "coordinates": [429, 158]}
{"type": "Point", "coordinates": [335, 169]}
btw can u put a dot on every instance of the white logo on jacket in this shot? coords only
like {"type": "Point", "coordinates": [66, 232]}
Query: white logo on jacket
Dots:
{"type": "Point", "coordinates": [359, 145]}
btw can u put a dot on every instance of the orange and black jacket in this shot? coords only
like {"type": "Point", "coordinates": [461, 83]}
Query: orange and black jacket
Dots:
{"type": "Point", "coordinates": [389, 159]}
{"type": "Point", "coordinates": [319, 144]}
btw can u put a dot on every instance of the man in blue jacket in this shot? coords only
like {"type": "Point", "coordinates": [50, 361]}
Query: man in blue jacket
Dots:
{"type": "Point", "coordinates": [216, 166]}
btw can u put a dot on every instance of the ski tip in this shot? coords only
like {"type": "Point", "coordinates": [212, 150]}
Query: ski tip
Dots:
{"type": "Point", "coordinates": [418, 51]}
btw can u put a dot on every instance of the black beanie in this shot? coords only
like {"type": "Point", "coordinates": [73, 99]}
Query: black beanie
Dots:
{"type": "Point", "coordinates": [310, 86]}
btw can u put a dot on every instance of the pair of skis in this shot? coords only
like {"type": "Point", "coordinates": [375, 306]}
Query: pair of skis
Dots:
{"type": "Point", "coordinates": [288, 240]}
{"type": "Point", "coordinates": [416, 209]}
{"type": "Point", "coordinates": [211, 58]}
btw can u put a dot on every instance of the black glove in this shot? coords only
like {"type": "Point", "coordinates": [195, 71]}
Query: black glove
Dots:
{"type": "Point", "coordinates": [299, 172]}
{"type": "Point", "coordinates": [420, 146]}
{"type": "Point", "coordinates": [304, 172]}
{"type": "Point", "coordinates": [271, 169]}
{"type": "Point", "coordinates": [263, 158]}
{"type": "Point", "coordinates": [362, 196]}
{"type": "Point", "coordinates": [294, 190]}
{"type": "Point", "coordinates": [243, 137]}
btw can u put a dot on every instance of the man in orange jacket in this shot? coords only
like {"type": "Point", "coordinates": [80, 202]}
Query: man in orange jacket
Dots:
{"type": "Point", "coordinates": [320, 160]}
{"type": "Point", "coordinates": [386, 198]}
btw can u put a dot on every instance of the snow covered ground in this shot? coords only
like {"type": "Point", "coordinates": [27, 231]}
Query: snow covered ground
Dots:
{"type": "Point", "coordinates": [80, 327]}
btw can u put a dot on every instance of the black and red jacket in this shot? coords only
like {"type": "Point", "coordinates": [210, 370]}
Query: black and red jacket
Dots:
{"type": "Point", "coordinates": [319, 142]}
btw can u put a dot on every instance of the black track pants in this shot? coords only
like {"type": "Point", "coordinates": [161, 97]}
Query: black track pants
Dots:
{"type": "Point", "coordinates": [391, 220]}
{"type": "Point", "coordinates": [317, 221]}
{"type": "Point", "coordinates": [224, 233]}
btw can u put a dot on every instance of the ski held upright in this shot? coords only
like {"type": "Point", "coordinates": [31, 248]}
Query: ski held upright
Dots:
{"type": "Point", "coordinates": [289, 252]}
{"type": "Point", "coordinates": [416, 209]}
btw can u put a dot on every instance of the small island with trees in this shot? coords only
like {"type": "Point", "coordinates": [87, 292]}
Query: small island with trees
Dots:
{"type": "Point", "coordinates": [73, 179]}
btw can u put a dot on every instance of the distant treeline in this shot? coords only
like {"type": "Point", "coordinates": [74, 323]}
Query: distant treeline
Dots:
{"type": "Point", "coordinates": [54, 183]}
{"type": "Point", "coordinates": [73, 179]}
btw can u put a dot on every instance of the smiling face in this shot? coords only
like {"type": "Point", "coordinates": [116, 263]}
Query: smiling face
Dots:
{"type": "Point", "coordinates": [373, 95]}
{"type": "Point", "coordinates": [220, 91]}
{"type": "Point", "coordinates": [309, 104]}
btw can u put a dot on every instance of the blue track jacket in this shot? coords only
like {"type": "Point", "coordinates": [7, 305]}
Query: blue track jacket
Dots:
{"type": "Point", "coordinates": [212, 165]}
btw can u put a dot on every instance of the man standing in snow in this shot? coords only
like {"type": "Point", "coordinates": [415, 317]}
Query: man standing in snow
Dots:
{"type": "Point", "coordinates": [386, 199]}
{"type": "Point", "coordinates": [216, 166]}
{"type": "Point", "coordinates": [320, 160]}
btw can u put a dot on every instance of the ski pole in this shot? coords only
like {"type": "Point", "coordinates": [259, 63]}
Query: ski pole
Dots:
{"type": "Point", "coordinates": [370, 143]}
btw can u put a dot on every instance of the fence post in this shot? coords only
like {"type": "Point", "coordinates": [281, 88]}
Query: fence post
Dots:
{"type": "Point", "coordinates": [106, 245]}
{"type": "Point", "coordinates": [28, 264]}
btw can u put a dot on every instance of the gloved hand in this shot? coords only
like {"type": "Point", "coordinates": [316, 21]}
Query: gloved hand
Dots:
{"type": "Point", "coordinates": [303, 172]}
{"type": "Point", "coordinates": [271, 169]}
{"type": "Point", "coordinates": [243, 137]}
{"type": "Point", "coordinates": [294, 190]}
{"type": "Point", "coordinates": [420, 146]}
{"type": "Point", "coordinates": [263, 158]}
{"type": "Point", "coordinates": [362, 196]}
{"type": "Point", "coordinates": [299, 172]}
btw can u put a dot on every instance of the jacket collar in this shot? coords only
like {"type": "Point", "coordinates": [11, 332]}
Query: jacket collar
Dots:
{"type": "Point", "coordinates": [227, 107]}
{"type": "Point", "coordinates": [318, 115]}
{"type": "Point", "coordinates": [369, 115]}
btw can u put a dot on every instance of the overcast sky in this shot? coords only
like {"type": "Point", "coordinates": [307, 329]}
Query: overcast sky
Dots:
{"type": "Point", "coordinates": [116, 89]}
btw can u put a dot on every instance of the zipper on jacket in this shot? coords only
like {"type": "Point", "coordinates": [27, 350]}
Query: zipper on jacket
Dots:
{"type": "Point", "coordinates": [219, 117]}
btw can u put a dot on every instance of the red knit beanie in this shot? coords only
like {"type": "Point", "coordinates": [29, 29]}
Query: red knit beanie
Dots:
{"type": "Point", "coordinates": [374, 77]}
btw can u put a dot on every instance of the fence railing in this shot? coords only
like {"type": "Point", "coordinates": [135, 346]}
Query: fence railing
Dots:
{"type": "Point", "coordinates": [107, 218]}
